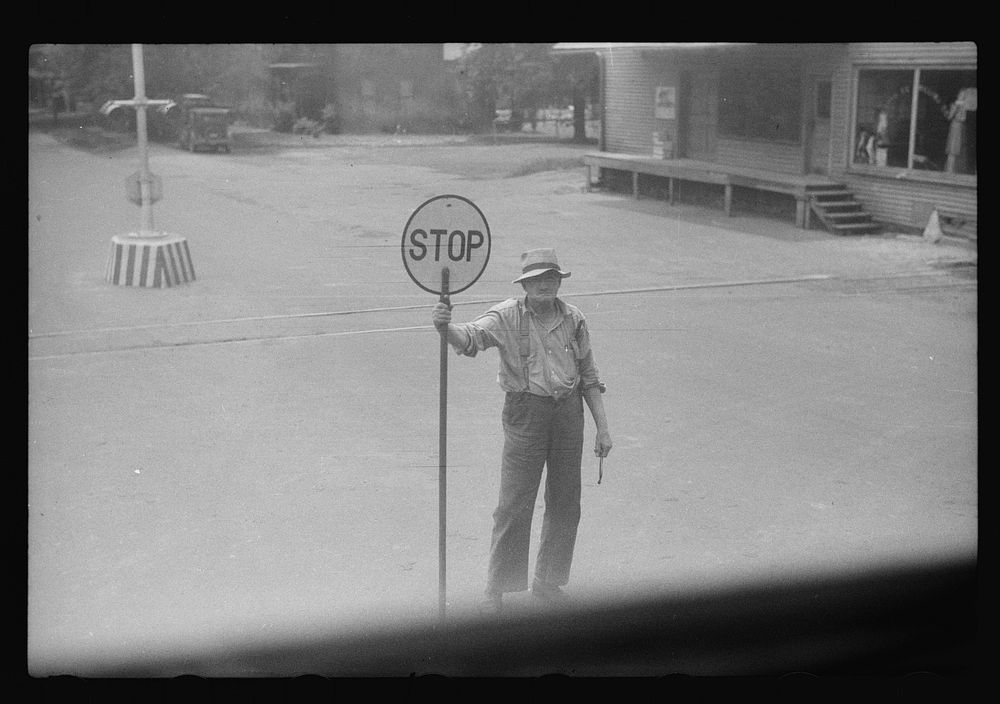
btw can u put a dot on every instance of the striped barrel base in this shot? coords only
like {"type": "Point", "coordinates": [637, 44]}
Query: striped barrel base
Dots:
{"type": "Point", "coordinates": [149, 262]}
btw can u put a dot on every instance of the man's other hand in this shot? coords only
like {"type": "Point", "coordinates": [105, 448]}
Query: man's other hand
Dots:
{"type": "Point", "coordinates": [602, 445]}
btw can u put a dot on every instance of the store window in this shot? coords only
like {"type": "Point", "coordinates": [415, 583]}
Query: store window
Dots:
{"type": "Point", "coordinates": [761, 104]}
{"type": "Point", "coordinates": [922, 119]}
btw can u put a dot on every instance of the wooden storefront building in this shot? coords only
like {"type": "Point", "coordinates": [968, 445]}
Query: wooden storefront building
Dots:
{"type": "Point", "coordinates": [861, 135]}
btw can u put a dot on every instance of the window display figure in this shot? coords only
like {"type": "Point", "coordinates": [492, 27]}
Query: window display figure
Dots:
{"type": "Point", "coordinates": [966, 102]}
{"type": "Point", "coordinates": [865, 151]}
{"type": "Point", "coordinates": [870, 140]}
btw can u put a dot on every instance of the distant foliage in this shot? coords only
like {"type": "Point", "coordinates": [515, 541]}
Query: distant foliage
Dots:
{"type": "Point", "coordinates": [512, 76]}
{"type": "Point", "coordinates": [306, 126]}
{"type": "Point", "coordinates": [94, 73]}
{"type": "Point", "coordinates": [520, 77]}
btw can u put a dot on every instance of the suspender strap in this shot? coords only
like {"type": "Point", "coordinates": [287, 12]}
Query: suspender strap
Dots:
{"type": "Point", "coordinates": [523, 342]}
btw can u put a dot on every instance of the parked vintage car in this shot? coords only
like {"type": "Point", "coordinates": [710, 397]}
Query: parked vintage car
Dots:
{"type": "Point", "coordinates": [194, 120]}
{"type": "Point", "coordinates": [206, 127]}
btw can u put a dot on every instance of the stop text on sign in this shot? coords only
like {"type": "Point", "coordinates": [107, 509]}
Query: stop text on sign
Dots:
{"type": "Point", "coordinates": [446, 232]}
{"type": "Point", "coordinates": [459, 245]}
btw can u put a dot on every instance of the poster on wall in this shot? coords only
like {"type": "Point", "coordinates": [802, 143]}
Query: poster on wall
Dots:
{"type": "Point", "coordinates": [663, 144]}
{"type": "Point", "coordinates": [666, 102]}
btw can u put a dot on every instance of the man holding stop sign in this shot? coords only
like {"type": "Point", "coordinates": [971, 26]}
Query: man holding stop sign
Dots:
{"type": "Point", "coordinates": [547, 370]}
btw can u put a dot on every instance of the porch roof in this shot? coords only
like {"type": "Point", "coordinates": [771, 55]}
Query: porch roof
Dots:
{"type": "Point", "coordinates": [772, 49]}
{"type": "Point", "coordinates": [605, 47]}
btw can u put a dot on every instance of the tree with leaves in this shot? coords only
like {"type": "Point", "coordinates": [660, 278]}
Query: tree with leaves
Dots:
{"type": "Point", "coordinates": [515, 76]}
{"type": "Point", "coordinates": [524, 78]}
{"type": "Point", "coordinates": [94, 73]}
{"type": "Point", "coordinates": [578, 76]}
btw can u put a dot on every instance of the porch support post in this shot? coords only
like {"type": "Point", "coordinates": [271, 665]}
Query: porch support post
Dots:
{"type": "Point", "coordinates": [729, 198]}
{"type": "Point", "coordinates": [635, 185]}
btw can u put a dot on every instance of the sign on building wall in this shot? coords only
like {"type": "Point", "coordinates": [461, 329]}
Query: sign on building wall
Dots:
{"type": "Point", "coordinates": [658, 145]}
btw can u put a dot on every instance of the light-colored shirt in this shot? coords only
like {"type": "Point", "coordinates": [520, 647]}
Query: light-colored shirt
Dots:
{"type": "Point", "coordinates": [559, 355]}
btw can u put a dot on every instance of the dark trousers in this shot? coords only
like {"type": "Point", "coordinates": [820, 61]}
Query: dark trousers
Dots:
{"type": "Point", "coordinates": [539, 433]}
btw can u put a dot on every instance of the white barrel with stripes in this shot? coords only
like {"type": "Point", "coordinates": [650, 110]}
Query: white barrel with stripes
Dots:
{"type": "Point", "coordinates": [149, 262]}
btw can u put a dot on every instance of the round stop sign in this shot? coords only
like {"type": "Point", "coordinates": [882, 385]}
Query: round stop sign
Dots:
{"type": "Point", "coordinates": [446, 232]}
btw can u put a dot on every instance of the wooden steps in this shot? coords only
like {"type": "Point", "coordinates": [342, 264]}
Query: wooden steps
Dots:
{"type": "Point", "coordinates": [839, 211]}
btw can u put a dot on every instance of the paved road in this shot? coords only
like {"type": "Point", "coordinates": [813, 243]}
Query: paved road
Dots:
{"type": "Point", "coordinates": [255, 455]}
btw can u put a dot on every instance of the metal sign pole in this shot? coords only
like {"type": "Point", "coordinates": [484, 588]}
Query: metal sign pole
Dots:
{"type": "Point", "coordinates": [138, 71]}
{"type": "Point", "coordinates": [450, 230]}
{"type": "Point", "coordinates": [443, 455]}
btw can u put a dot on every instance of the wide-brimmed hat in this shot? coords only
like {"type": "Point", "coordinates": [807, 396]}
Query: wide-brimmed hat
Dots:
{"type": "Point", "coordinates": [537, 261]}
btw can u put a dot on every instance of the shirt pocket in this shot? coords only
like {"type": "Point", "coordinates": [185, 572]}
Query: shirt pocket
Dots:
{"type": "Point", "coordinates": [564, 372]}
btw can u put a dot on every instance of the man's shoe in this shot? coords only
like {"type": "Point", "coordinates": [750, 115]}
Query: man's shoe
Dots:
{"type": "Point", "coordinates": [549, 593]}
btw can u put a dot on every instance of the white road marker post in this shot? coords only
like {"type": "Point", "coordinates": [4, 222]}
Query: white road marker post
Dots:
{"type": "Point", "coordinates": [147, 258]}
{"type": "Point", "coordinates": [445, 248]}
